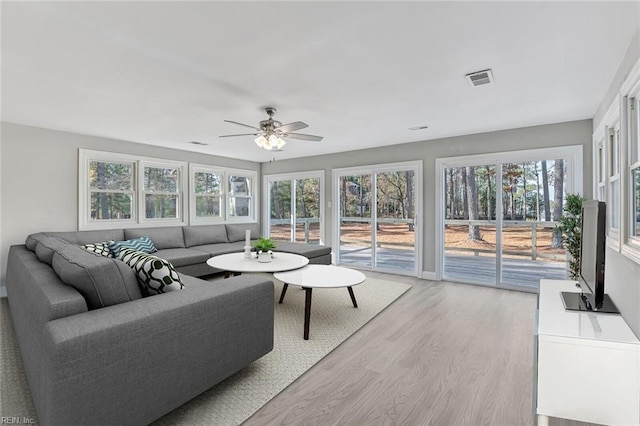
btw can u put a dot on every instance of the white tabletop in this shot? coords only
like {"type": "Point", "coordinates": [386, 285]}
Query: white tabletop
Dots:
{"type": "Point", "coordinates": [236, 262]}
{"type": "Point", "coordinates": [554, 320]}
{"type": "Point", "coordinates": [327, 276]}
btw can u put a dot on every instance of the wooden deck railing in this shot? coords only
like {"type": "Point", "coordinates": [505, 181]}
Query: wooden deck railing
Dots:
{"type": "Point", "coordinates": [305, 221]}
{"type": "Point", "coordinates": [534, 225]}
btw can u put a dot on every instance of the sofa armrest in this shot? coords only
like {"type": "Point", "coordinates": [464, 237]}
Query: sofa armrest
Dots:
{"type": "Point", "coordinates": [36, 292]}
{"type": "Point", "coordinates": [133, 362]}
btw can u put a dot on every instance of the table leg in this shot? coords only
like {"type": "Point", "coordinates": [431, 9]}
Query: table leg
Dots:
{"type": "Point", "coordinates": [353, 297]}
{"type": "Point", "coordinates": [307, 311]}
{"type": "Point", "coordinates": [284, 291]}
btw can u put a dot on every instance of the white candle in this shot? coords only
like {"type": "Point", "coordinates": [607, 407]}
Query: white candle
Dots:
{"type": "Point", "coordinates": [247, 237]}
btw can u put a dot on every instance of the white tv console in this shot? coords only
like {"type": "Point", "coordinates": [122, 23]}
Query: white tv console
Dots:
{"type": "Point", "coordinates": [587, 365]}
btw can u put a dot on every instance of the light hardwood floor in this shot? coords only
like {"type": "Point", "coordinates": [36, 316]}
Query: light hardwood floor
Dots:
{"type": "Point", "coordinates": [442, 354]}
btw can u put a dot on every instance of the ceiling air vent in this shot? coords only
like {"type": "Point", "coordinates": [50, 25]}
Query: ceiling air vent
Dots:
{"type": "Point", "coordinates": [418, 128]}
{"type": "Point", "coordinates": [480, 78]}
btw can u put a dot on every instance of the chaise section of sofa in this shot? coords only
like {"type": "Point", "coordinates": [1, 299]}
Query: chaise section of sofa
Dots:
{"type": "Point", "coordinates": [131, 362]}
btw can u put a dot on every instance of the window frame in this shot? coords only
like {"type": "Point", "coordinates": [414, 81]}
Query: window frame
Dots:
{"type": "Point", "coordinates": [225, 197]}
{"type": "Point", "coordinates": [292, 177]}
{"type": "Point", "coordinates": [608, 126]}
{"type": "Point", "coordinates": [85, 191]}
{"type": "Point", "coordinates": [630, 145]}
{"type": "Point", "coordinates": [252, 197]}
{"type": "Point", "coordinates": [181, 187]}
{"type": "Point", "coordinates": [193, 196]}
{"type": "Point", "coordinates": [138, 218]}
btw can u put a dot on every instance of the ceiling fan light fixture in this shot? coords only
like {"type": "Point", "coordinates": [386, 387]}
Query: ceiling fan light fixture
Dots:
{"type": "Point", "coordinates": [270, 132]}
{"type": "Point", "coordinates": [262, 142]}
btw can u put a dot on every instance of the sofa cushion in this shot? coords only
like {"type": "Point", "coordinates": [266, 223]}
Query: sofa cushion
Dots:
{"type": "Point", "coordinates": [143, 244]}
{"type": "Point", "coordinates": [101, 248]}
{"type": "Point", "coordinates": [236, 231]}
{"type": "Point", "coordinates": [102, 281]}
{"type": "Point", "coordinates": [155, 275]}
{"type": "Point", "coordinates": [218, 249]}
{"type": "Point", "coordinates": [182, 256]}
{"type": "Point", "coordinates": [207, 234]}
{"type": "Point", "coordinates": [47, 246]}
{"type": "Point", "coordinates": [33, 239]}
{"type": "Point", "coordinates": [308, 250]}
{"type": "Point", "coordinates": [163, 238]}
{"type": "Point", "coordinates": [88, 237]}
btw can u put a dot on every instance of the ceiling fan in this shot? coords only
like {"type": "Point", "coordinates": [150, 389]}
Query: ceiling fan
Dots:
{"type": "Point", "coordinates": [270, 132]}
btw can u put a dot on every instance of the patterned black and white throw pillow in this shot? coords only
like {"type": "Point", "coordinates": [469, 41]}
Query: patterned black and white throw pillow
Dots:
{"type": "Point", "coordinates": [155, 275]}
{"type": "Point", "coordinates": [100, 248]}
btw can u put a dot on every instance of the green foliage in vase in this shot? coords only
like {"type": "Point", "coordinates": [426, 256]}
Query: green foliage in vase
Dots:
{"type": "Point", "coordinates": [570, 228]}
{"type": "Point", "coordinates": [264, 244]}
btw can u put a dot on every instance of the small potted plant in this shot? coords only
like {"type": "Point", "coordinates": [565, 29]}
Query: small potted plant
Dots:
{"type": "Point", "coordinates": [264, 246]}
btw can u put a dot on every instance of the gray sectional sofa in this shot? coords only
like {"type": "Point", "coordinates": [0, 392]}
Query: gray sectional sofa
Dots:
{"type": "Point", "coordinates": [97, 352]}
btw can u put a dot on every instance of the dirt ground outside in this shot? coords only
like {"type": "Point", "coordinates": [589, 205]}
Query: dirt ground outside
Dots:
{"type": "Point", "coordinates": [516, 240]}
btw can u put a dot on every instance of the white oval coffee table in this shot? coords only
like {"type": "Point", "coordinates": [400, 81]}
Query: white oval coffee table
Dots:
{"type": "Point", "coordinates": [319, 276]}
{"type": "Point", "coordinates": [237, 263]}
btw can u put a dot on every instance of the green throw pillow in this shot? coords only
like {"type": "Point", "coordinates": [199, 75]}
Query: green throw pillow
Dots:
{"type": "Point", "coordinates": [155, 275]}
{"type": "Point", "coordinates": [143, 244]}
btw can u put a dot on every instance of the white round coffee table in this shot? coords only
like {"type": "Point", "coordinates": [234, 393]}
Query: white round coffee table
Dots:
{"type": "Point", "coordinates": [319, 276]}
{"type": "Point", "coordinates": [237, 263]}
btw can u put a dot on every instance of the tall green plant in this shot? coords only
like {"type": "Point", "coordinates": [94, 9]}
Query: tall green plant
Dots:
{"type": "Point", "coordinates": [570, 228]}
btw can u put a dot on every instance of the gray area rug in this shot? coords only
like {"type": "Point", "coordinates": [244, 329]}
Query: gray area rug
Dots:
{"type": "Point", "coordinates": [333, 320]}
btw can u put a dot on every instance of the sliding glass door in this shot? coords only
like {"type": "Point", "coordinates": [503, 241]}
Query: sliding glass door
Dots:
{"type": "Point", "coordinates": [293, 207]}
{"type": "Point", "coordinates": [376, 217]}
{"type": "Point", "coordinates": [470, 224]}
{"type": "Point", "coordinates": [497, 219]}
{"type": "Point", "coordinates": [355, 220]}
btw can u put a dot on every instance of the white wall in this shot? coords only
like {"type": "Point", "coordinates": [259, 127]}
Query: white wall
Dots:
{"type": "Point", "coordinates": [39, 178]}
{"type": "Point", "coordinates": [552, 135]}
{"type": "Point", "coordinates": [622, 281]}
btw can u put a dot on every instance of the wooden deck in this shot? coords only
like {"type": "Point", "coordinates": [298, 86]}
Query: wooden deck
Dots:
{"type": "Point", "coordinates": [525, 273]}
{"type": "Point", "coordinates": [387, 258]}
{"type": "Point", "coordinates": [515, 272]}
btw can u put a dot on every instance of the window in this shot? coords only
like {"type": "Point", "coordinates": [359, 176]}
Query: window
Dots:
{"type": "Point", "coordinates": [601, 171]}
{"type": "Point", "coordinates": [608, 151]}
{"type": "Point", "coordinates": [614, 179]}
{"type": "Point", "coordinates": [129, 191]}
{"type": "Point", "coordinates": [631, 246]}
{"type": "Point", "coordinates": [219, 195]}
{"type": "Point", "coordinates": [240, 199]}
{"type": "Point", "coordinates": [207, 191]}
{"type": "Point", "coordinates": [620, 131]}
{"type": "Point", "coordinates": [161, 192]}
{"type": "Point", "coordinates": [111, 191]}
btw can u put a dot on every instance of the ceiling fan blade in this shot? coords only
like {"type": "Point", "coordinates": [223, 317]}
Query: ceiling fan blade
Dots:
{"type": "Point", "coordinates": [241, 134]}
{"type": "Point", "coordinates": [292, 127]}
{"type": "Point", "coordinates": [303, 137]}
{"type": "Point", "coordinates": [240, 124]}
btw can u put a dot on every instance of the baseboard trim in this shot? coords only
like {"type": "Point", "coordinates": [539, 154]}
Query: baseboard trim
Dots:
{"type": "Point", "coordinates": [428, 275]}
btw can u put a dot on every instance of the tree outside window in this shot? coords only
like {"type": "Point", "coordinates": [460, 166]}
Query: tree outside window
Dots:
{"type": "Point", "coordinates": [161, 192]}
{"type": "Point", "coordinates": [111, 190]}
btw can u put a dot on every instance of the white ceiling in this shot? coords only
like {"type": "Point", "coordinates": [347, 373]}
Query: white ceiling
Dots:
{"type": "Point", "coordinates": [359, 73]}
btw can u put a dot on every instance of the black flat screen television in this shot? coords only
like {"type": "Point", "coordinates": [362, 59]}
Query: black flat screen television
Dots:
{"type": "Point", "coordinates": [593, 231]}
